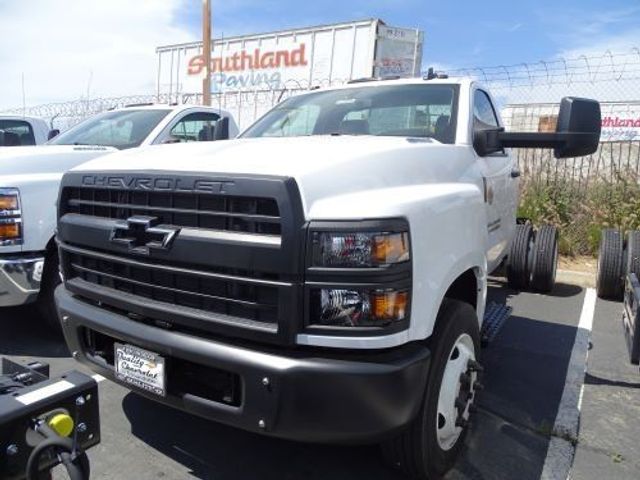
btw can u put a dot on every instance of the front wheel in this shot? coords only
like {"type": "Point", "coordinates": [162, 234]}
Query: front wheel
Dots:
{"type": "Point", "coordinates": [429, 446]}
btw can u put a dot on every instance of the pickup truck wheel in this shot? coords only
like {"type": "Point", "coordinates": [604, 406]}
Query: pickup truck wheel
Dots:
{"type": "Point", "coordinates": [518, 271]}
{"type": "Point", "coordinates": [50, 280]}
{"type": "Point", "coordinates": [545, 259]}
{"type": "Point", "coordinates": [431, 443]}
{"type": "Point", "coordinates": [609, 281]}
{"type": "Point", "coordinates": [633, 253]}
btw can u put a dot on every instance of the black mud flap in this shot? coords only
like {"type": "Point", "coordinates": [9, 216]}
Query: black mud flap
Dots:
{"type": "Point", "coordinates": [631, 317]}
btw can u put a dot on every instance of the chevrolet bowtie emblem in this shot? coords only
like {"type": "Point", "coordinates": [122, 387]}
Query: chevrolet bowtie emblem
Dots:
{"type": "Point", "coordinates": [141, 234]}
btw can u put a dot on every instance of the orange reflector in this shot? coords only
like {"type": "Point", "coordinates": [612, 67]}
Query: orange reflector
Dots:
{"type": "Point", "coordinates": [9, 231]}
{"type": "Point", "coordinates": [8, 202]}
{"type": "Point", "coordinates": [391, 248]}
{"type": "Point", "coordinates": [389, 305]}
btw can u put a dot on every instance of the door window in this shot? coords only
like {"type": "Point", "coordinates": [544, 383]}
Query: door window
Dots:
{"type": "Point", "coordinates": [194, 127]}
{"type": "Point", "coordinates": [19, 131]}
{"type": "Point", "coordinates": [483, 110]}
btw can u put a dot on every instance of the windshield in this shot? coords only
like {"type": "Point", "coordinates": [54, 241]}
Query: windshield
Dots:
{"type": "Point", "coordinates": [120, 129]}
{"type": "Point", "coordinates": [397, 110]}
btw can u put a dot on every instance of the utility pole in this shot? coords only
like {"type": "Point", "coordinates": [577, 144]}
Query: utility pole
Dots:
{"type": "Point", "coordinates": [206, 51]}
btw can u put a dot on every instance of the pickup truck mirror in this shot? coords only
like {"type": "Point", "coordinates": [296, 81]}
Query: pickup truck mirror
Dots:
{"type": "Point", "coordinates": [577, 132]}
{"type": "Point", "coordinates": [53, 134]}
{"type": "Point", "coordinates": [221, 131]}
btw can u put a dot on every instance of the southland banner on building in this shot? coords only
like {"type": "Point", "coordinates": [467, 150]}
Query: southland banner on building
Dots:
{"type": "Point", "coordinates": [297, 58]}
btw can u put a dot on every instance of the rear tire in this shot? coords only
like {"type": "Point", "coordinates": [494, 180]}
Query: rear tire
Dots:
{"type": "Point", "coordinates": [609, 282]}
{"type": "Point", "coordinates": [518, 272]}
{"type": "Point", "coordinates": [430, 445]}
{"type": "Point", "coordinates": [633, 253]}
{"type": "Point", "coordinates": [545, 259]}
{"type": "Point", "coordinates": [50, 280]}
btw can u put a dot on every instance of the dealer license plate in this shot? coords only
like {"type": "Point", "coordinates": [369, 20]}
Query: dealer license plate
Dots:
{"type": "Point", "coordinates": [140, 368]}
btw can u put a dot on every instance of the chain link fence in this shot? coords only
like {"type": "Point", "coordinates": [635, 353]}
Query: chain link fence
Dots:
{"type": "Point", "coordinates": [579, 194]}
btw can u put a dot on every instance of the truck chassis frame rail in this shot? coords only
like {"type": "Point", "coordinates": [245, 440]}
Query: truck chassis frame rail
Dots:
{"type": "Point", "coordinates": [631, 317]}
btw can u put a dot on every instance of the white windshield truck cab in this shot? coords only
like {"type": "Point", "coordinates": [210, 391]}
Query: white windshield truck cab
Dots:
{"type": "Point", "coordinates": [18, 130]}
{"type": "Point", "coordinates": [323, 276]}
{"type": "Point", "coordinates": [30, 180]}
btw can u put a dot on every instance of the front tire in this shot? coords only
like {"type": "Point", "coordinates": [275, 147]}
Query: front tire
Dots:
{"type": "Point", "coordinates": [429, 446]}
{"type": "Point", "coordinates": [50, 280]}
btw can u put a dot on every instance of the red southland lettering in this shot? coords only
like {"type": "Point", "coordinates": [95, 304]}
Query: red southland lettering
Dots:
{"type": "Point", "coordinates": [255, 60]}
{"type": "Point", "coordinates": [617, 122]}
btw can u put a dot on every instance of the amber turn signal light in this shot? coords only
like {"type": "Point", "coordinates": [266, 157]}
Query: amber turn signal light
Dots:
{"type": "Point", "coordinates": [9, 231]}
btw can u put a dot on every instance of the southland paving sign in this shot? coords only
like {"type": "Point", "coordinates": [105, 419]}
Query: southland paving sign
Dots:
{"type": "Point", "coordinates": [249, 69]}
{"type": "Point", "coordinates": [621, 124]}
{"type": "Point", "coordinates": [297, 58]}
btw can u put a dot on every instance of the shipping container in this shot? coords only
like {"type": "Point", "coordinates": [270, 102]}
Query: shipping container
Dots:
{"type": "Point", "coordinates": [292, 59]}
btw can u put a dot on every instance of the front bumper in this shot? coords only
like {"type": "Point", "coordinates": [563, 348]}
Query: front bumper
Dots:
{"type": "Point", "coordinates": [312, 396]}
{"type": "Point", "coordinates": [20, 276]}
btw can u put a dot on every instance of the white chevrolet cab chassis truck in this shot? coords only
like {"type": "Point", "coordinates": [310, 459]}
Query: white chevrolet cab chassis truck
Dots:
{"type": "Point", "coordinates": [322, 277]}
{"type": "Point", "coordinates": [30, 180]}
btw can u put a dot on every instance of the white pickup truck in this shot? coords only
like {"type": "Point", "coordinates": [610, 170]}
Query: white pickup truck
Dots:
{"type": "Point", "coordinates": [16, 131]}
{"type": "Point", "coordinates": [323, 277]}
{"type": "Point", "coordinates": [30, 179]}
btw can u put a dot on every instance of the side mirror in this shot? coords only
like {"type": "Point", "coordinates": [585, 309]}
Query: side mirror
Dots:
{"type": "Point", "coordinates": [577, 132]}
{"type": "Point", "coordinates": [53, 134]}
{"type": "Point", "coordinates": [221, 131]}
{"type": "Point", "coordinates": [579, 124]}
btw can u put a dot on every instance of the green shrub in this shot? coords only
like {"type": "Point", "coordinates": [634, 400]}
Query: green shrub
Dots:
{"type": "Point", "coordinates": [581, 212]}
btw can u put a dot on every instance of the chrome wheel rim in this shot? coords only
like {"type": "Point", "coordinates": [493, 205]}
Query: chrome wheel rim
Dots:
{"type": "Point", "coordinates": [456, 392]}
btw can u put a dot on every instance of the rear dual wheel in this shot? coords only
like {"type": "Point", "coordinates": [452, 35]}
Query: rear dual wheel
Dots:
{"type": "Point", "coordinates": [533, 258]}
{"type": "Point", "coordinates": [430, 444]}
{"type": "Point", "coordinates": [615, 262]}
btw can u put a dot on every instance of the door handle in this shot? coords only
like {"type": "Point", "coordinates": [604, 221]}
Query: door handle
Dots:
{"type": "Point", "coordinates": [515, 173]}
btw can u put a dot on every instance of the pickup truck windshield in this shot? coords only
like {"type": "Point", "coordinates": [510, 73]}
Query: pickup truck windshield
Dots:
{"type": "Point", "coordinates": [120, 129]}
{"type": "Point", "coordinates": [392, 110]}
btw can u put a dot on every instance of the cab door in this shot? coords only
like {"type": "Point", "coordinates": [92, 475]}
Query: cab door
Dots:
{"type": "Point", "coordinates": [500, 183]}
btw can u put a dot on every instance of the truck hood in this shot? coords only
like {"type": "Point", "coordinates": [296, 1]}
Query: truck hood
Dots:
{"type": "Point", "coordinates": [46, 159]}
{"type": "Point", "coordinates": [323, 166]}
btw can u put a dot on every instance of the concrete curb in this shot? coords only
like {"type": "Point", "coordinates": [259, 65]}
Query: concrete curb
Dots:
{"type": "Point", "coordinates": [581, 279]}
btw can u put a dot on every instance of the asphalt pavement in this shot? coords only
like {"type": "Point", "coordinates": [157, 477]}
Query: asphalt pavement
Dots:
{"type": "Point", "coordinates": [511, 436]}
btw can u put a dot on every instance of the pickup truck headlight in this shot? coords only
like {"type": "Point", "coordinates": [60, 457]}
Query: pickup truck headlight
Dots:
{"type": "Point", "coordinates": [358, 276]}
{"type": "Point", "coordinates": [10, 217]}
{"type": "Point", "coordinates": [360, 308]}
{"type": "Point", "coordinates": [360, 249]}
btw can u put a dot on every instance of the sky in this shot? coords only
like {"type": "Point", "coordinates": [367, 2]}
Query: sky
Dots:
{"type": "Point", "coordinates": [69, 49]}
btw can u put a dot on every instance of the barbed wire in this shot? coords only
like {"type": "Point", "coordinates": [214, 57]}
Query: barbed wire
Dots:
{"type": "Point", "coordinates": [608, 77]}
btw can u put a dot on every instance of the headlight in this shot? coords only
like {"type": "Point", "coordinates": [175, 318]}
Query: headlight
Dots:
{"type": "Point", "coordinates": [360, 249]}
{"type": "Point", "coordinates": [360, 308]}
{"type": "Point", "coordinates": [10, 217]}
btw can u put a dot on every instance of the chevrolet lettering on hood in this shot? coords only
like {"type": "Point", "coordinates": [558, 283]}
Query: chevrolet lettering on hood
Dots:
{"type": "Point", "coordinates": [164, 184]}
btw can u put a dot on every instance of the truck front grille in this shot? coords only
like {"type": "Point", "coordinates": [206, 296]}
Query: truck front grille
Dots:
{"type": "Point", "coordinates": [217, 212]}
{"type": "Point", "coordinates": [232, 267]}
{"type": "Point", "coordinates": [248, 298]}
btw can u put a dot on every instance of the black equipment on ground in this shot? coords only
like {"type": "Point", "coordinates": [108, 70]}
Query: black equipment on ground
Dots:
{"type": "Point", "coordinates": [45, 422]}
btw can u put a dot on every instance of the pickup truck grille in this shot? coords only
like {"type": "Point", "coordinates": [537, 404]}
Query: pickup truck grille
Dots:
{"type": "Point", "coordinates": [233, 266]}
{"type": "Point", "coordinates": [243, 297]}
{"type": "Point", "coordinates": [218, 212]}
